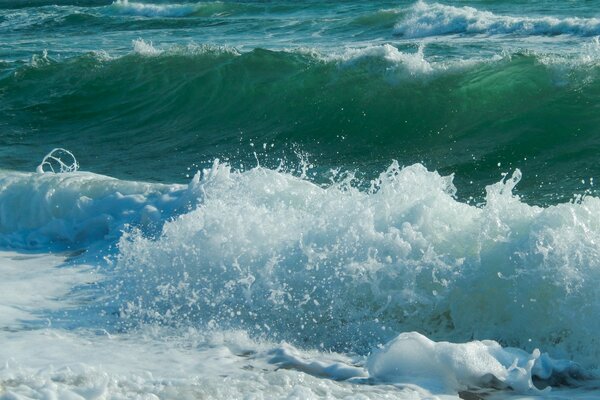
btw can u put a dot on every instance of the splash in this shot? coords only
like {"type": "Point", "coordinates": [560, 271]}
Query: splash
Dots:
{"type": "Point", "coordinates": [288, 259]}
{"type": "Point", "coordinates": [277, 257]}
{"type": "Point", "coordinates": [58, 161]}
{"type": "Point", "coordinates": [144, 48]}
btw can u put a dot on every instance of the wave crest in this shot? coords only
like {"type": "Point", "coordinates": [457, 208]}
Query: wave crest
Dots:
{"type": "Point", "coordinates": [436, 19]}
{"type": "Point", "coordinates": [283, 257]}
{"type": "Point", "coordinates": [182, 10]}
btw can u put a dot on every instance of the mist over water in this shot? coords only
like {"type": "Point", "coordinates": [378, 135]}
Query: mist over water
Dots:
{"type": "Point", "coordinates": [299, 199]}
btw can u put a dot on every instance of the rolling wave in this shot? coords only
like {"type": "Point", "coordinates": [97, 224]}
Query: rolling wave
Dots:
{"type": "Point", "coordinates": [199, 9]}
{"type": "Point", "coordinates": [368, 105]}
{"type": "Point", "coordinates": [435, 19]}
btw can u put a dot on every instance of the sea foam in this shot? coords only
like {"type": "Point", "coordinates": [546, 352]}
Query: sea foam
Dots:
{"type": "Point", "coordinates": [288, 259]}
{"type": "Point", "coordinates": [73, 209]}
{"type": "Point", "coordinates": [125, 7]}
{"type": "Point", "coordinates": [442, 366]}
{"type": "Point", "coordinates": [278, 257]}
{"type": "Point", "coordinates": [434, 19]}
{"type": "Point", "coordinates": [175, 10]}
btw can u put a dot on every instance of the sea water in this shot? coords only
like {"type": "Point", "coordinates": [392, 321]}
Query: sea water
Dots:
{"type": "Point", "coordinates": [299, 200]}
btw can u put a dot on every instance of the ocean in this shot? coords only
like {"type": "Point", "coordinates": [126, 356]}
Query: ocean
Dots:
{"type": "Point", "coordinates": [299, 199]}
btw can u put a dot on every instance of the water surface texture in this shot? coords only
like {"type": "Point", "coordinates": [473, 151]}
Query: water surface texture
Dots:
{"type": "Point", "coordinates": [299, 199]}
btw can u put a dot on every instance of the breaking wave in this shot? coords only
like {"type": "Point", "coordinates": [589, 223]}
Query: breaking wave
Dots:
{"type": "Point", "coordinates": [435, 19]}
{"type": "Point", "coordinates": [280, 256]}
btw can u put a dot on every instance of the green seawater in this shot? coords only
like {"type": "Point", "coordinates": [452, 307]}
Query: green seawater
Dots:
{"type": "Point", "coordinates": [148, 90]}
{"type": "Point", "coordinates": [271, 191]}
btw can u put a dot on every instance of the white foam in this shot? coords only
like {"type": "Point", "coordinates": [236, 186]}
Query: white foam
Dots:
{"type": "Point", "coordinates": [155, 364]}
{"type": "Point", "coordinates": [72, 209]}
{"type": "Point", "coordinates": [167, 364]}
{"type": "Point", "coordinates": [413, 62]}
{"type": "Point", "coordinates": [126, 7]}
{"type": "Point", "coordinates": [337, 367]}
{"type": "Point", "coordinates": [442, 366]}
{"type": "Point", "coordinates": [587, 54]}
{"type": "Point", "coordinates": [324, 267]}
{"type": "Point", "coordinates": [434, 19]}
{"type": "Point", "coordinates": [288, 258]}
{"type": "Point", "coordinates": [34, 282]}
{"type": "Point", "coordinates": [147, 48]}
{"type": "Point", "coordinates": [144, 48]}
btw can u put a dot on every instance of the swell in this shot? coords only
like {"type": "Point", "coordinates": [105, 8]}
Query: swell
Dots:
{"type": "Point", "coordinates": [127, 16]}
{"type": "Point", "coordinates": [435, 19]}
{"type": "Point", "coordinates": [410, 20]}
{"type": "Point", "coordinates": [198, 9]}
{"type": "Point", "coordinates": [358, 108]}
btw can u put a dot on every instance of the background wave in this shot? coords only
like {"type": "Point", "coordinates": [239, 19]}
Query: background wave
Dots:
{"type": "Point", "coordinates": [199, 9]}
{"type": "Point", "coordinates": [433, 19]}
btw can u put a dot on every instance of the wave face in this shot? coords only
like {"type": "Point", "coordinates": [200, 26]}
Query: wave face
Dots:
{"type": "Point", "coordinates": [359, 106]}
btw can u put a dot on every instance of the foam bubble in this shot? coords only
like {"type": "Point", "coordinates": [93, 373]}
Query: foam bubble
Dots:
{"type": "Point", "coordinates": [56, 161]}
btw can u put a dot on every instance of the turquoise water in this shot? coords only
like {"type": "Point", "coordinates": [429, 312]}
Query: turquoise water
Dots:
{"type": "Point", "coordinates": [284, 187]}
{"type": "Point", "coordinates": [355, 85]}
